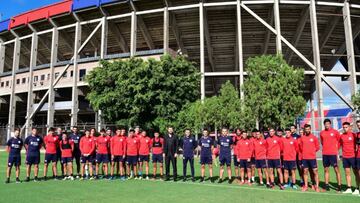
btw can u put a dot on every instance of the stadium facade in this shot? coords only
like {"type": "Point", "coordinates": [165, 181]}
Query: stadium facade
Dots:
{"type": "Point", "coordinates": [45, 53]}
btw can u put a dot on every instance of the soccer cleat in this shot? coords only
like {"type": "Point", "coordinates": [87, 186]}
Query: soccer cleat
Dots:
{"type": "Point", "coordinates": [140, 178]}
{"type": "Point", "coordinates": [220, 180]}
{"type": "Point", "coordinates": [184, 179]}
{"type": "Point", "coordinates": [7, 180]}
{"type": "Point", "coordinates": [193, 179]}
{"type": "Point", "coordinates": [92, 178]}
{"type": "Point", "coordinates": [242, 182]}
{"type": "Point", "coordinates": [281, 187]}
{"type": "Point", "coordinates": [348, 191]}
{"type": "Point", "coordinates": [136, 178]}
{"type": "Point", "coordinates": [212, 180]}
{"type": "Point", "coordinates": [36, 179]}
{"type": "Point", "coordinates": [286, 185]}
{"type": "Point", "coordinates": [45, 178]}
{"type": "Point", "coordinates": [356, 192]}
{"type": "Point", "coordinates": [27, 179]}
{"type": "Point", "coordinates": [304, 189]}
{"type": "Point", "coordinates": [147, 178]}
{"type": "Point", "coordinates": [70, 178]}
{"type": "Point", "coordinates": [65, 178]}
{"type": "Point", "coordinates": [230, 181]}
{"type": "Point", "coordinates": [17, 180]}
{"type": "Point", "coordinates": [294, 187]}
{"type": "Point", "coordinates": [77, 177]}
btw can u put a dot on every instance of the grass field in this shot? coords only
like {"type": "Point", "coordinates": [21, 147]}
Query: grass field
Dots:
{"type": "Point", "coordinates": [154, 191]}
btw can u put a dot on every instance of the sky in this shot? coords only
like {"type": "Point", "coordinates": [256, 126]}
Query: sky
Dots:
{"type": "Point", "coordinates": [9, 8]}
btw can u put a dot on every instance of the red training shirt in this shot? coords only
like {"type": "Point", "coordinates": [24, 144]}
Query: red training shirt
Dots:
{"type": "Point", "coordinates": [273, 147]}
{"type": "Point", "coordinates": [260, 146]}
{"type": "Point", "coordinates": [118, 145]}
{"type": "Point", "coordinates": [67, 148]}
{"type": "Point", "coordinates": [348, 144]}
{"type": "Point", "coordinates": [87, 145]}
{"type": "Point", "coordinates": [145, 145]}
{"type": "Point", "coordinates": [102, 144]}
{"type": "Point", "coordinates": [290, 148]}
{"type": "Point", "coordinates": [244, 149]}
{"type": "Point", "coordinates": [51, 143]}
{"type": "Point", "coordinates": [330, 141]}
{"type": "Point", "coordinates": [132, 146]}
{"type": "Point", "coordinates": [157, 145]}
{"type": "Point", "coordinates": [309, 145]}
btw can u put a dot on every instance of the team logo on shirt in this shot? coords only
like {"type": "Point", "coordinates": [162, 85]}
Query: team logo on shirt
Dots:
{"type": "Point", "coordinates": [291, 143]}
{"type": "Point", "coordinates": [190, 140]}
{"type": "Point", "coordinates": [260, 143]}
{"type": "Point", "coordinates": [134, 141]}
{"type": "Point", "coordinates": [227, 140]}
{"type": "Point", "coordinates": [275, 141]}
{"type": "Point", "coordinates": [311, 140]}
{"type": "Point", "coordinates": [54, 138]}
{"type": "Point", "coordinates": [105, 139]}
{"type": "Point", "coordinates": [38, 139]}
{"type": "Point", "coordinates": [350, 138]}
{"type": "Point", "coordinates": [19, 142]}
{"type": "Point", "coordinates": [246, 143]}
{"type": "Point", "coordinates": [208, 141]}
{"type": "Point", "coordinates": [120, 139]}
{"type": "Point", "coordinates": [331, 134]}
{"type": "Point", "coordinates": [147, 141]}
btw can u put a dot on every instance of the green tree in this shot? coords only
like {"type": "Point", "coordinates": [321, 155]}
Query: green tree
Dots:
{"type": "Point", "coordinates": [355, 99]}
{"type": "Point", "coordinates": [273, 90]}
{"type": "Point", "coordinates": [226, 109]}
{"type": "Point", "coordinates": [147, 93]}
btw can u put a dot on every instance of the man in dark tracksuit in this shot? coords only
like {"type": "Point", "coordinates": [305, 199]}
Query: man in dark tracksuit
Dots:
{"type": "Point", "coordinates": [75, 137]}
{"type": "Point", "coordinates": [170, 151]}
{"type": "Point", "coordinates": [188, 145]}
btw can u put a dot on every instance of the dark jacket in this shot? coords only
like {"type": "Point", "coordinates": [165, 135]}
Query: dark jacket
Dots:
{"type": "Point", "coordinates": [171, 144]}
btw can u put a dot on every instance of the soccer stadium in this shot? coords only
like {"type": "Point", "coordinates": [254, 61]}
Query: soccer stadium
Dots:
{"type": "Point", "coordinates": [46, 53]}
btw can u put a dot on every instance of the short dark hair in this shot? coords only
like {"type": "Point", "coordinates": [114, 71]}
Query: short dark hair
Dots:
{"type": "Point", "coordinates": [102, 130]}
{"type": "Point", "coordinates": [74, 126]}
{"type": "Point", "coordinates": [307, 126]}
{"type": "Point", "coordinates": [131, 130]}
{"type": "Point", "coordinates": [187, 129]}
{"type": "Point", "coordinates": [346, 123]}
{"type": "Point", "coordinates": [287, 129]}
{"type": "Point", "coordinates": [327, 120]}
{"type": "Point", "coordinates": [255, 130]}
{"type": "Point", "coordinates": [358, 121]}
{"type": "Point", "coordinates": [51, 129]}
{"type": "Point", "coordinates": [16, 129]}
{"type": "Point", "coordinates": [292, 125]}
{"type": "Point", "coordinates": [205, 129]}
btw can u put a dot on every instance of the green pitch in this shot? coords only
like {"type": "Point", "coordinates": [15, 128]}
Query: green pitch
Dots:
{"type": "Point", "coordinates": [154, 191]}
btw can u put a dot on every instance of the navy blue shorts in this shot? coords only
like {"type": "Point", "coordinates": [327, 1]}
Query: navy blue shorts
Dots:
{"type": "Point", "coordinates": [244, 163]}
{"type": "Point", "coordinates": [143, 158]}
{"type": "Point", "coordinates": [261, 163]}
{"type": "Point", "coordinates": [14, 161]}
{"type": "Point", "coordinates": [252, 161]}
{"type": "Point", "coordinates": [102, 158]}
{"type": "Point", "coordinates": [50, 158]}
{"type": "Point", "coordinates": [132, 160]}
{"type": "Point", "coordinates": [32, 160]}
{"type": "Point", "coordinates": [289, 165]}
{"type": "Point", "coordinates": [236, 162]}
{"type": "Point", "coordinates": [117, 159]}
{"type": "Point", "coordinates": [274, 163]}
{"type": "Point", "coordinates": [330, 160]}
{"type": "Point", "coordinates": [205, 160]}
{"type": "Point", "coordinates": [348, 162]}
{"type": "Point", "coordinates": [225, 159]}
{"type": "Point", "coordinates": [357, 164]}
{"type": "Point", "coordinates": [157, 158]}
{"type": "Point", "coordinates": [309, 163]}
{"type": "Point", "coordinates": [58, 154]}
{"type": "Point", "coordinates": [65, 160]}
{"type": "Point", "coordinates": [84, 159]}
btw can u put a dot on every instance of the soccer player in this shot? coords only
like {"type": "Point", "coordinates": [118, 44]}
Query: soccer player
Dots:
{"type": "Point", "coordinates": [59, 132]}
{"type": "Point", "coordinates": [260, 149]}
{"type": "Point", "coordinates": [206, 144]}
{"type": "Point", "coordinates": [244, 150]}
{"type": "Point", "coordinates": [51, 142]}
{"type": "Point", "coordinates": [33, 144]}
{"type": "Point", "coordinates": [225, 145]}
{"type": "Point", "coordinates": [144, 153]}
{"type": "Point", "coordinates": [290, 149]}
{"type": "Point", "coordinates": [67, 147]}
{"type": "Point", "coordinates": [293, 132]}
{"type": "Point", "coordinates": [274, 148]}
{"type": "Point", "coordinates": [309, 145]}
{"type": "Point", "coordinates": [157, 154]}
{"type": "Point", "coordinates": [102, 144]}
{"type": "Point", "coordinates": [137, 132]}
{"type": "Point", "coordinates": [75, 136]}
{"type": "Point", "coordinates": [236, 138]}
{"type": "Point", "coordinates": [357, 173]}
{"type": "Point", "coordinates": [87, 149]}
{"type": "Point", "coordinates": [14, 146]}
{"type": "Point", "coordinates": [188, 145]}
{"type": "Point", "coordinates": [329, 138]}
{"type": "Point", "coordinates": [252, 162]}
{"type": "Point", "coordinates": [132, 149]}
{"type": "Point", "coordinates": [117, 149]}
{"type": "Point", "coordinates": [348, 145]}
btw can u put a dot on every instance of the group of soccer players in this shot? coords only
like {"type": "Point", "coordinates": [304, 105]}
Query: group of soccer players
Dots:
{"type": "Point", "coordinates": [271, 154]}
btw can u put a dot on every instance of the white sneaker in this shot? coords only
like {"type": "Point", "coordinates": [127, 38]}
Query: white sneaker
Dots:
{"type": "Point", "coordinates": [70, 178]}
{"type": "Point", "coordinates": [356, 192]}
{"type": "Point", "coordinates": [348, 191]}
{"type": "Point", "coordinates": [65, 178]}
{"type": "Point", "coordinates": [147, 177]}
{"type": "Point", "coordinates": [77, 177]}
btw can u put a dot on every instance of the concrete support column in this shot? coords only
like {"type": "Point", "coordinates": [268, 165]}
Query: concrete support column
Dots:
{"type": "Point", "coordinates": [53, 61]}
{"type": "Point", "coordinates": [133, 34]}
{"type": "Point", "coordinates": [104, 37]}
{"type": "Point", "coordinates": [30, 97]}
{"type": "Point", "coordinates": [316, 56]}
{"type": "Point", "coordinates": [350, 47]}
{"type": "Point", "coordinates": [75, 94]}
{"type": "Point", "coordinates": [277, 26]}
{"type": "Point", "coordinates": [166, 30]}
{"type": "Point", "coordinates": [202, 49]}
{"type": "Point", "coordinates": [12, 103]}
{"type": "Point", "coordinates": [2, 56]}
{"type": "Point", "coordinates": [239, 47]}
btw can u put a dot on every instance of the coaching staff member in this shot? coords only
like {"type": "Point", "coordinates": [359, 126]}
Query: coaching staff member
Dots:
{"type": "Point", "coordinates": [170, 152]}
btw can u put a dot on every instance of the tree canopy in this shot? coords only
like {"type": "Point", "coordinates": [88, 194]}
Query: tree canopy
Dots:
{"type": "Point", "coordinates": [273, 90]}
{"type": "Point", "coordinates": [143, 92]}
